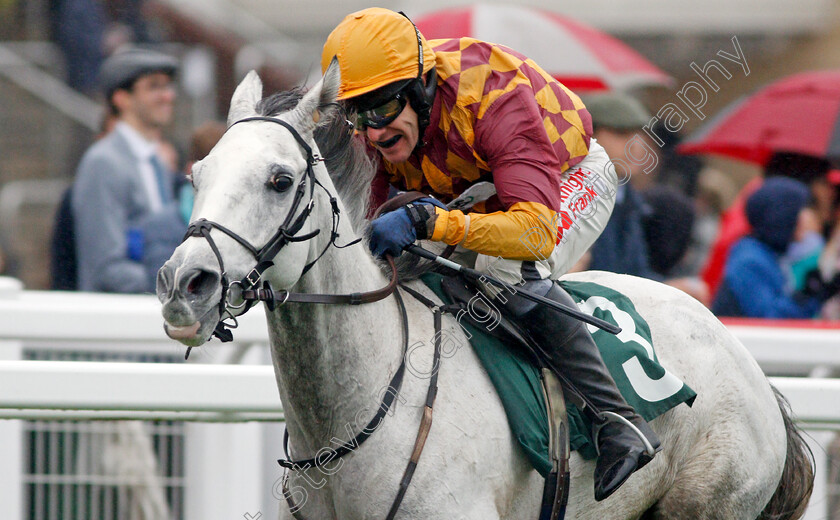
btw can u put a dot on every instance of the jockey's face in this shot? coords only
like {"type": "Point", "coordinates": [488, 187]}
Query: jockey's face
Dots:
{"type": "Point", "coordinates": [396, 140]}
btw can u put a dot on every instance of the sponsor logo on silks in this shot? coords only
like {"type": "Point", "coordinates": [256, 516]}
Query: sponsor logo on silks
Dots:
{"type": "Point", "coordinates": [582, 204]}
{"type": "Point", "coordinates": [576, 182]}
{"type": "Point", "coordinates": [581, 194]}
{"type": "Point", "coordinates": [566, 222]}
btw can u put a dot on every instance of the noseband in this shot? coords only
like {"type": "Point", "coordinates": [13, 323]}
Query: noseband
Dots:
{"type": "Point", "coordinates": [247, 289]}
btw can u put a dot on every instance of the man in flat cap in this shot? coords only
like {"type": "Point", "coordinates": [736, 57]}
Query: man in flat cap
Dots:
{"type": "Point", "coordinates": [125, 215]}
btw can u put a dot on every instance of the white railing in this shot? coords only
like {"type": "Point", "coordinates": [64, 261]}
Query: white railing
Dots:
{"type": "Point", "coordinates": [64, 390]}
{"type": "Point", "coordinates": [208, 388]}
{"type": "Point", "coordinates": [234, 393]}
{"type": "Point", "coordinates": [789, 350]}
{"type": "Point", "coordinates": [229, 469]}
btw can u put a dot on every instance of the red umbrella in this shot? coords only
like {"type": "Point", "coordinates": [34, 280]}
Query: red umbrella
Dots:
{"type": "Point", "coordinates": [799, 114]}
{"type": "Point", "coordinates": [580, 57]}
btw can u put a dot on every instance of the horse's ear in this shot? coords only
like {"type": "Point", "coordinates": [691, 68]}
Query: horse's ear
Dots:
{"type": "Point", "coordinates": [321, 97]}
{"type": "Point", "coordinates": [245, 98]}
{"type": "Point", "coordinates": [330, 84]}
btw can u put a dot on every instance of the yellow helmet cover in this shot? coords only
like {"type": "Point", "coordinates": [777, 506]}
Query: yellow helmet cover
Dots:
{"type": "Point", "coordinates": [375, 47]}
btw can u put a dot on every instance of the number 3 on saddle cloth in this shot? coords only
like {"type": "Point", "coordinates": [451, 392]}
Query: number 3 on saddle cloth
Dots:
{"type": "Point", "coordinates": [629, 356]}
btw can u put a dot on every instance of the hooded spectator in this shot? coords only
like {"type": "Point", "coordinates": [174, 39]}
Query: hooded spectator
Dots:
{"type": "Point", "coordinates": [755, 282]}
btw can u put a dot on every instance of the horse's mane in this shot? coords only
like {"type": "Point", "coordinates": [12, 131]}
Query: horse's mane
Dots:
{"type": "Point", "coordinates": [350, 167]}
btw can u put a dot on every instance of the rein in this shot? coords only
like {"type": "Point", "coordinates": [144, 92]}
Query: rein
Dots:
{"type": "Point", "coordinates": [250, 293]}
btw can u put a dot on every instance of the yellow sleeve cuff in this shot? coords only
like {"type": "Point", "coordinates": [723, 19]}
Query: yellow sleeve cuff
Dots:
{"type": "Point", "coordinates": [450, 226]}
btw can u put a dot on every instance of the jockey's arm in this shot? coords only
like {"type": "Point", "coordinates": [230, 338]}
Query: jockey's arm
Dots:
{"type": "Point", "coordinates": [546, 204]}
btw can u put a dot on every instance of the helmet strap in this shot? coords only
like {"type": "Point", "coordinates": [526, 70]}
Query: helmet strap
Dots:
{"type": "Point", "coordinates": [420, 95]}
{"type": "Point", "coordinates": [422, 98]}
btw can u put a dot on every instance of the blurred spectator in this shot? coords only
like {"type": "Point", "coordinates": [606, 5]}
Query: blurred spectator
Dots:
{"type": "Point", "coordinates": [681, 172]}
{"type": "Point", "coordinates": [667, 227]}
{"type": "Point", "coordinates": [803, 254]}
{"type": "Point", "coordinates": [125, 215]}
{"type": "Point", "coordinates": [617, 119]}
{"type": "Point", "coordinates": [203, 139]}
{"type": "Point", "coordinates": [128, 24]}
{"type": "Point", "coordinates": [64, 275]}
{"type": "Point", "coordinates": [79, 28]}
{"type": "Point", "coordinates": [715, 193]}
{"type": "Point", "coordinates": [670, 228]}
{"type": "Point", "coordinates": [733, 223]}
{"type": "Point", "coordinates": [813, 172]}
{"type": "Point", "coordinates": [64, 267]}
{"type": "Point", "coordinates": [756, 281]}
{"type": "Point", "coordinates": [829, 266]}
{"type": "Point", "coordinates": [170, 155]}
{"type": "Point", "coordinates": [109, 121]}
{"type": "Point", "coordinates": [623, 247]}
{"type": "Point", "coordinates": [88, 31]}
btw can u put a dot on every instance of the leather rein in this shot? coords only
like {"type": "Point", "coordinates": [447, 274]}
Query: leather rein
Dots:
{"type": "Point", "coordinates": [249, 292]}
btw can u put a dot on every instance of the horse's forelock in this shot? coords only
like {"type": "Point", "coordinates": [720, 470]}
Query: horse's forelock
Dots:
{"type": "Point", "coordinates": [350, 167]}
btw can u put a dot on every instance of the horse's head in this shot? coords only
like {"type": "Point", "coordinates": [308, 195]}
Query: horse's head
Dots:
{"type": "Point", "coordinates": [253, 196]}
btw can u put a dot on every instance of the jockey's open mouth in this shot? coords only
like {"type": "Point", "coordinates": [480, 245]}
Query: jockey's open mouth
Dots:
{"type": "Point", "coordinates": [388, 143]}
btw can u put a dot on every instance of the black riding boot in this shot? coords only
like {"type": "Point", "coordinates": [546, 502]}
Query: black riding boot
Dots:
{"type": "Point", "coordinates": [569, 350]}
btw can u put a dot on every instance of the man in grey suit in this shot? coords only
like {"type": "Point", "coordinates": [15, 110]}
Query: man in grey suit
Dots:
{"type": "Point", "coordinates": [125, 215]}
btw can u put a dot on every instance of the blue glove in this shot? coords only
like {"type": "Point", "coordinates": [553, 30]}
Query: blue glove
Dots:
{"type": "Point", "coordinates": [391, 232]}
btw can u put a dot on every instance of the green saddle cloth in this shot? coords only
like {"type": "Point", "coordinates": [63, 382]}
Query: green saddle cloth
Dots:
{"type": "Point", "coordinates": [645, 384]}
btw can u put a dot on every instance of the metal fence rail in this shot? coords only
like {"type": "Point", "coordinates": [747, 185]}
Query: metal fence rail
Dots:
{"type": "Point", "coordinates": [103, 470]}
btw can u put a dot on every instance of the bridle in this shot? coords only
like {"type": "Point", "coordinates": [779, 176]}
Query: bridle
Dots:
{"type": "Point", "coordinates": [250, 293]}
{"type": "Point", "coordinates": [247, 288]}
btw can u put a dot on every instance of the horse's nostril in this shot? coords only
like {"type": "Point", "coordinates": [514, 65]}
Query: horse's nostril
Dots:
{"type": "Point", "coordinates": [163, 283]}
{"type": "Point", "coordinates": [203, 281]}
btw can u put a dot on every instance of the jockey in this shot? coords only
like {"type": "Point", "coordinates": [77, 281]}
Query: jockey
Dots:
{"type": "Point", "coordinates": [446, 114]}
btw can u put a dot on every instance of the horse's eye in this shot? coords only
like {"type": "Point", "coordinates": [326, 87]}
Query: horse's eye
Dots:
{"type": "Point", "coordinates": [281, 182]}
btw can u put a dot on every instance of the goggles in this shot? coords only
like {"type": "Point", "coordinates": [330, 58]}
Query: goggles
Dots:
{"type": "Point", "coordinates": [382, 115]}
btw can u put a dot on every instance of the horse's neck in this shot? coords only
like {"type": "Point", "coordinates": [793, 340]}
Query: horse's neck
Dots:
{"type": "Point", "coordinates": [333, 361]}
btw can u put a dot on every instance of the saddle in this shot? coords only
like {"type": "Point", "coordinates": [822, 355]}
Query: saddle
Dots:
{"type": "Point", "coordinates": [531, 394]}
{"type": "Point", "coordinates": [556, 489]}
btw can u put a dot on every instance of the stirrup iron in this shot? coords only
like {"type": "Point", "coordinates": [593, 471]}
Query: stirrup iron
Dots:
{"type": "Point", "coordinates": [606, 417]}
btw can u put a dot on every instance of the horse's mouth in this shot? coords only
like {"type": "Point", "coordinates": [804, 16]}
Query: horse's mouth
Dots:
{"type": "Point", "coordinates": [193, 334]}
{"type": "Point", "coordinates": [182, 333]}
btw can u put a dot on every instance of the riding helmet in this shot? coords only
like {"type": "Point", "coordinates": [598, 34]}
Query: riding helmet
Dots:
{"type": "Point", "coordinates": [379, 55]}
